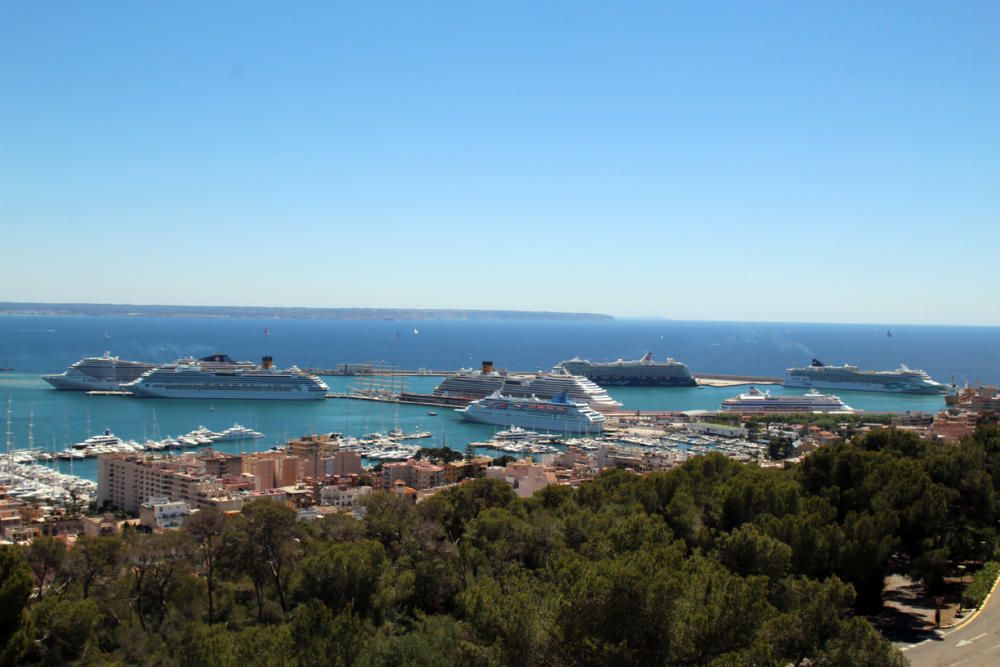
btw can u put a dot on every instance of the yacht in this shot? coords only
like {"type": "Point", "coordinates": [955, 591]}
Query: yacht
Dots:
{"type": "Point", "coordinates": [515, 433]}
{"type": "Point", "coordinates": [238, 432]}
{"type": "Point", "coordinates": [762, 401]}
{"type": "Point", "coordinates": [219, 377]}
{"type": "Point", "coordinates": [557, 415]}
{"type": "Point", "coordinates": [472, 384]}
{"type": "Point", "coordinates": [106, 373]}
{"type": "Point", "coordinates": [643, 372]}
{"type": "Point", "coordinates": [903, 380]}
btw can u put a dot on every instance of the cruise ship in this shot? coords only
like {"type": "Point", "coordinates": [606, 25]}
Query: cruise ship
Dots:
{"type": "Point", "coordinates": [902, 380]}
{"type": "Point", "coordinates": [105, 373]}
{"type": "Point", "coordinates": [756, 401]}
{"type": "Point", "coordinates": [219, 377]}
{"type": "Point", "coordinates": [469, 384]}
{"type": "Point", "coordinates": [644, 372]}
{"type": "Point", "coordinates": [558, 415]}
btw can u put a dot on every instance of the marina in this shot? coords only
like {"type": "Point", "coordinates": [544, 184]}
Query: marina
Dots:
{"type": "Point", "coordinates": [62, 419]}
{"type": "Point", "coordinates": [733, 356]}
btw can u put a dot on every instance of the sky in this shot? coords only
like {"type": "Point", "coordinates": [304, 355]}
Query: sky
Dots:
{"type": "Point", "coordinates": [787, 161]}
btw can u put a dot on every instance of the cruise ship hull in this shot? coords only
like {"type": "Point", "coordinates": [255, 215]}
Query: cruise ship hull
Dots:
{"type": "Point", "coordinates": [538, 423]}
{"type": "Point", "coordinates": [544, 387]}
{"type": "Point", "coordinates": [798, 381]}
{"type": "Point", "coordinates": [84, 383]}
{"type": "Point", "coordinates": [643, 372]}
{"type": "Point", "coordinates": [639, 381]}
{"type": "Point", "coordinates": [256, 393]}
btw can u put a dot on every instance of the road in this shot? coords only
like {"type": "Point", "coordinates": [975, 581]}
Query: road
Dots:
{"type": "Point", "coordinates": [975, 643]}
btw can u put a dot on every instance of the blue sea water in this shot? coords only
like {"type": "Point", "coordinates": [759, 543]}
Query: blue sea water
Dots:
{"type": "Point", "coordinates": [35, 345]}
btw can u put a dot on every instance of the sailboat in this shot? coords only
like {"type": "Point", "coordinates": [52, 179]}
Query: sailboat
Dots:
{"type": "Point", "coordinates": [416, 332]}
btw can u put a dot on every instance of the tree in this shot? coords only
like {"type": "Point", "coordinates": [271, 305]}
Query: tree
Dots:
{"type": "Point", "coordinates": [320, 638]}
{"type": "Point", "coordinates": [206, 527]}
{"type": "Point", "coordinates": [58, 630]}
{"type": "Point", "coordinates": [747, 551]}
{"type": "Point", "coordinates": [260, 544]}
{"type": "Point", "coordinates": [343, 575]}
{"type": "Point", "coordinates": [157, 562]}
{"type": "Point", "coordinates": [92, 560]}
{"type": "Point", "coordinates": [45, 556]}
{"type": "Point", "coordinates": [15, 589]}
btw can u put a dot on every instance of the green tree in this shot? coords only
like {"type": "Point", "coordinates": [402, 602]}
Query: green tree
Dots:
{"type": "Point", "coordinates": [261, 543]}
{"type": "Point", "coordinates": [342, 575]}
{"type": "Point", "coordinates": [157, 563]}
{"type": "Point", "coordinates": [93, 560]}
{"type": "Point", "coordinates": [748, 551]}
{"type": "Point", "coordinates": [206, 526]}
{"type": "Point", "coordinates": [59, 630]}
{"type": "Point", "coordinates": [45, 556]}
{"type": "Point", "coordinates": [15, 589]}
{"type": "Point", "coordinates": [321, 638]}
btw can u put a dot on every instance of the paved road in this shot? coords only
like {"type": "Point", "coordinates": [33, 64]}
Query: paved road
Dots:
{"type": "Point", "coordinates": [975, 643]}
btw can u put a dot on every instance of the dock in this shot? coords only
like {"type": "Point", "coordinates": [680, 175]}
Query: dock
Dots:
{"type": "Point", "coordinates": [716, 380]}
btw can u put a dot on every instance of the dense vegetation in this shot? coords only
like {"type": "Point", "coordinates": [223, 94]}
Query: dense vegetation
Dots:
{"type": "Point", "coordinates": [981, 585]}
{"type": "Point", "coordinates": [712, 563]}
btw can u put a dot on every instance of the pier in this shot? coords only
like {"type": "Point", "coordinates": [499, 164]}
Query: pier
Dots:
{"type": "Point", "coordinates": [717, 380]}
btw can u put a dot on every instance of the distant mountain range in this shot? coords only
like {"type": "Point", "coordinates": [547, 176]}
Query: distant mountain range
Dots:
{"type": "Point", "coordinates": [268, 312]}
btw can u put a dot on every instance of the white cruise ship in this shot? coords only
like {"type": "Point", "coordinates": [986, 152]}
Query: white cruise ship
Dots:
{"type": "Point", "coordinates": [472, 384]}
{"type": "Point", "coordinates": [644, 372]}
{"type": "Point", "coordinates": [219, 377]}
{"type": "Point", "coordinates": [105, 373]}
{"type": "Point", "coordinates": [756, 401]}
{"type": "Point", "coordinates": [558, 415]}
{"type": "Point", "coordinates": [903, 380]}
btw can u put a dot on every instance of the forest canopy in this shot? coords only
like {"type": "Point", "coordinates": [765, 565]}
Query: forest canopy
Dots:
{"type": "Point", "coordinates": [714, 562]}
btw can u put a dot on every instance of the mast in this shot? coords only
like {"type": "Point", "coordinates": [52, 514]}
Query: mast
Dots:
{"type": "Point", "coordinates": [31, 439]}
{"type": "Point", "coordinates": [31, 428]}
{"type": "Point", "coordinates": [10, 437]}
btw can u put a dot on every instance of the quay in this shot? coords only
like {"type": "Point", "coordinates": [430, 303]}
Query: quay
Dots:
{"type": "Point", "coordinates": [716, 380]}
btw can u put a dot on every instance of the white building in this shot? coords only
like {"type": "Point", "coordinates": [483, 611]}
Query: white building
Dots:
{"type": "Point", "coordinates": [161, 513]}
{"type": "Point", "coordinates": [723, 430]}
{"type": "Point", "coordinates": [343, 496]}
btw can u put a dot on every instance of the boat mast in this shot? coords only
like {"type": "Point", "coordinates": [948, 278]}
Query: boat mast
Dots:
{"type": "Point", "coordinates": [10, 438]}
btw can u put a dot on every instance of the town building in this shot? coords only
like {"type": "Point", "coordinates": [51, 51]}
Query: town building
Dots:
{"type": "Point", "coordinates": [100, 526]}
{"type": "Point", "coordinates": [342, 464]}
{"type": "Point", "coordinates": [525, 477]}
{"type": "Point", "coordinates": [126, 481]}
{"type": "Point", "coordinates": [273, 469]}
{"type": "Point", "coordinates": [218, 464]}
{"type": "Point", "coordinates": [954, 424]}
{"type": "Point", "coordinates": [313, 451]}
{"type": "Point", "coordinates": [343, 496]}
{"type": "Point", "coordinates": [162, 513]}
{"type": "Point", "coordinates": [414, 473]}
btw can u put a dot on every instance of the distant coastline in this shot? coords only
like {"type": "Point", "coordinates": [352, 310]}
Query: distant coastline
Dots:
{"type": "Point", "coordinates": [293, 313]}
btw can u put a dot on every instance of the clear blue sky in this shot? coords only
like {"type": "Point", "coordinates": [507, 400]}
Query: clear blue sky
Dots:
{"type": "Point", "coordinates": [794, 161]}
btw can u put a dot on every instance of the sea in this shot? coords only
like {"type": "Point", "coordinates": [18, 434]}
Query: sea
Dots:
{"type": "Point", "coordinates": [51, 419]}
